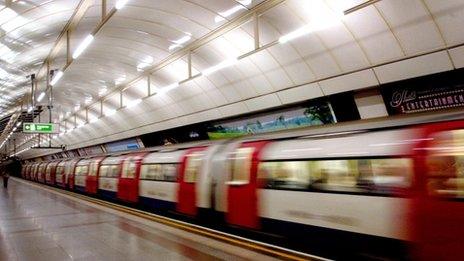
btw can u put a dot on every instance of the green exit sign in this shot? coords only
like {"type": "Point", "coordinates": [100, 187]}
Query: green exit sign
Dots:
{"type": "Point", "coordinates": [41, 128]}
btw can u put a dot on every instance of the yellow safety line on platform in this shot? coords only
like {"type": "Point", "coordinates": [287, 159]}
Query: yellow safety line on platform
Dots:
{"type": "Point", "coordinates": [221, 236]}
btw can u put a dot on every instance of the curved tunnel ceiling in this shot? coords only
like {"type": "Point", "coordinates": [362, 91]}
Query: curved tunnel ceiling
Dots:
{"type": "Point", "coordinates": [334, 53]}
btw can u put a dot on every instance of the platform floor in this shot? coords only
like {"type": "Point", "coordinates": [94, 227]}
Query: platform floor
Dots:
{"type": "Point", "coordinates": [36, 224]}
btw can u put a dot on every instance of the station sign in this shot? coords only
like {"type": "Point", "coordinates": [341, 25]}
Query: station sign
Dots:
{"type": "Point", "coordinates": [46, 128]}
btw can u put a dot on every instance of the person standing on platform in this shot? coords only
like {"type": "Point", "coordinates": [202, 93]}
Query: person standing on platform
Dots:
{"type": "Point", "coordinates": [5, 179]}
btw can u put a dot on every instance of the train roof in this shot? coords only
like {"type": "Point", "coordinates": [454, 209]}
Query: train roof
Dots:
{"type": "Point", "coordinates": [355, 145]}
{"type": "Point", "coordinates": [164, 156]}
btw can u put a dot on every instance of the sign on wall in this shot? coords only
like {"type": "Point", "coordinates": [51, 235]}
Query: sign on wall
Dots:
{"type": "Point", "coordinates": [430, 93]}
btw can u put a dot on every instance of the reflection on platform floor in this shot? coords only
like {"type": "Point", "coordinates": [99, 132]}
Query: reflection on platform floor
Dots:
{"type": "Point", "coordinates": [39, 225]}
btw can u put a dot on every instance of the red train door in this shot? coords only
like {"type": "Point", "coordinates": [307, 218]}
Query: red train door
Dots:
{"type": "Point", "coordinates": [71, 173]}
{"type": "Point", "coordinates": [128, 185]}
{"type": "Point", "coordinates": [91, 181]}
{"type": "Point", "coordinates": [242, 199]}
{"type": "Point", "coordinates": [188, 172]}
{"type": "Point", "coordinates": [438, 207]}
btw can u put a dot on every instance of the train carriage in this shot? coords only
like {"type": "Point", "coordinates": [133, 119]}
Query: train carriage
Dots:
{"type": "Point", "coordinates": [80, 174]}
{"type": "Point", "coordinates": [158, 184]}
{"type": "Point", "coordinates": [34, 168]}
{"type": "Point", "coordinates": [128, 184]}
{"type": "Point", "coordinates": [41, 172]}
{"type": "Point", "coordinates": [60, 175]}
{"type": "Point", "coordinates": [110, 170]}
{"type": "Point", "coordinates": [50, 173]}
{"type": "Point", "coordinates": [91, 182]}
{"type": "Point", "coordinates": [69, 173]}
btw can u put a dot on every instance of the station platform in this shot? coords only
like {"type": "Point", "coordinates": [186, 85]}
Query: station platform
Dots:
{"type": "Point", "coordinates": [38, 224]}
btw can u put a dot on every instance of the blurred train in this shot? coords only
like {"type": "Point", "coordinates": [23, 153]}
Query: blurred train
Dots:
{"type": "Point", "coordinates": [394, 192]}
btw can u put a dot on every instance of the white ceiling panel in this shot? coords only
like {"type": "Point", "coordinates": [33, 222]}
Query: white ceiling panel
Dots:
{"type": "Point", "coordinates": [422, 65]}
{"type": "Point", "coordinates": [457, 55]}
{"type": "Point", "coordinates": [349, 82]}
{"type": "Point", "coordinates": [412, 24]}
{"type": "Point", "coordinates": [301, 93]}
{"type": "Point", "coordinates": [449, 16]}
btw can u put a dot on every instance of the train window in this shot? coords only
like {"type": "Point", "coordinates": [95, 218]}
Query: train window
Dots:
{"type": "Point", "coordinates": [59, 170]}
{"type": "Point", "coordinates": [93, 169]}
{"type": "Point", "coordinates": [151, 171]}
{"type": "Point", "coordinates": [81, 170]}
{"type": "Point", "coordinates": [169, 172]}
{"type": "Point", "coordinates": [391, 172]}
{"type": "Point", "coordinates": [114, 171]}
{"type": "Point", "coordinates": [240, 164]}
{"type": "Point", "coordinates": [104, 170]}
{"type": "Point", "coordinates": [285, 174]}
{"type": "Point", "coordinates": [129, 169]}
{"type": "Point", "coordinates": [338, 175]}
{"type": "Point", "coordinates": [445, 165]}
{"type": "Point", "coordinates": [192, 168]}
{"type": "Point", "coordinates": [48, 170]}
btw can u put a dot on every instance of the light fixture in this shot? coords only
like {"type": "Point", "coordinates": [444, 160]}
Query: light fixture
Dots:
{"type": "Point", "coordinates": [18, 124]}
{"type": "Point", "coordinates": [83, 46]}
{"type": "Point", "coordinates": [110, 112]}
{"type": "Point", "coordinates": [219, 66]}
{"type": "Point", "coordinates": [120, 4]}
{"type": "Point", "coordinates": [134, 103]}
{"type": "Point", "coordinates": [29, 110]}
{"type": "Point", "coordinates": [56, 78]}
{"type": "Point", "coordinates": [41, 96]}
{"type": "Point", "coordinates": [93, 120]}
{"type": "Point", "coordinates": [167, 88]}
{"type": "Point", "coordinates": [102, 91]}
{"type": "Point", "coordinates": [228, 13]}
{"type": "Point", "coordinates": [295, 34]}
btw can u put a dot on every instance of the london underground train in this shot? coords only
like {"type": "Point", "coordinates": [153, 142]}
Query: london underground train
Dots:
{"type": "Point", "coordinates": [394, 193]}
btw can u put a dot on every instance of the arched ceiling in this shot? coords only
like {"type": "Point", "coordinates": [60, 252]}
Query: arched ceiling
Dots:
{"type": "Point", "coordinates": [147, 42]}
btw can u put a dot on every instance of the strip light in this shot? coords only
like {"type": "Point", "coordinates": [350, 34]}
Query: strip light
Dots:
{"type": "Point", "coordinates": [134, 103]}
{"type": "Point", "coordinates": [41, 96]}
{"type": "Point", "coordinates": [295, 34]}
{"type": "Point", "coordinates": [110, 113]}
{"type": "Point", "coordinates": [56, 78]}
{"type": "Point", "coordinates": [120, 4]}
{"type": "Point", "coordinates": [219, 66]}
{"type": "Point", "coordinates": [167, 88]}
{"type": "Point", "coordinates": [83, 46]}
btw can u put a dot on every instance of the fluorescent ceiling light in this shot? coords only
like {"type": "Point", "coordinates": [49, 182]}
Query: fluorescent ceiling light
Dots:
{"type": "Point", "coordinates": [83, 46]}
{"type": "Point", "coordinates": [228, 13]}
{"type": "Point", "coordinates": [183, 39]}
{"type": "Point", "coordinates": [93, 120]}
{"type": "Point", "coordinates": [88, 100]}
{"type": "Point", "coordinates": [18, 124]}
{"type": "Point", "coordinates": [167, 88]}
{"type": "Point", "coordinates": [174, 46]}
{"type": "Point", "coordinates": [219, 66]}
{"type": "Point", "coordinates": [120, 4]}
{"type": "Point", "coordinates": [102, 91]}
{"type": "Point", "coordinates": [179, 42]}
{"type": "Point", "coordinates": [295, 34]}
{"type": "Point", "coordinates": [41, 96]}
{"type": "Point", "coordinates": [134, 103]}
{"type": "Point", "coordinates": [56, 78]}
{"type": "Point", "coordinates": [110, 112]}
{"type": "Point", "coordinates": [245, 2]}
